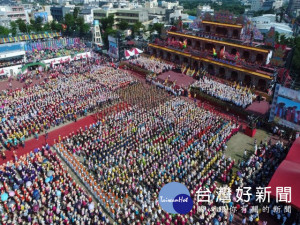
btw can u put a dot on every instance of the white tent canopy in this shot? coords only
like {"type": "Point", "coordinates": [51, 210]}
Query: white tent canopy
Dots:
{"type": "Point", "coordinates": [128, 54]}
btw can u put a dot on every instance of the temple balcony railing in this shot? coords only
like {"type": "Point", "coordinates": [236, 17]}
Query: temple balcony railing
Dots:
{"type": "Point", "coordinates": [208, 55]}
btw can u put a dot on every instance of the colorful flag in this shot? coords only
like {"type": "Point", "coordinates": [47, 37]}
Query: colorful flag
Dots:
{"type": "Point", "coordinates": [214, 52]}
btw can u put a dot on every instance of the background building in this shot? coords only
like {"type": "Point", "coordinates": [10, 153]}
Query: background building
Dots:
{"type": "Point", "coordinates": [256, 5]}
{"type": "Point", "coordinates": [59, 12]}
{"type": "Point", "coordinates": [294, 8]}
{"type": "Point", "coordinates": [131, 16]}
{"type": "Point", "coordinates": [201, 9]}
{"type": "Point", "coordinates": [14, 13]}
{"type": "Point", "coordinates": [265, 22]}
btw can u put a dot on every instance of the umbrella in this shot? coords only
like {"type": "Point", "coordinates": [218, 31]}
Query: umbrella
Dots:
{"type": "Point", "coordinates": [12, 205]}
{"type": "Point", "coordinates": [36, 194]}
{"type": "Point", "coordinates": [11, 193]}
{"type": "Point", "coordinates": [216, 222]}
{"type": "Point", "coordinates": [58, 193]}
{"type": "Point", "coordinates": [56, 178]}
{"type": "Point", "coordinates": [4, 197]}
{"type": "Point", "coordinates": [47, 180]}
{"type": "Point", "coordinates": [91, 206]}
{"type": "Point", "coordinates": [28, 183]}
{"type": "Point", "coordinates": [136, 51]}
{"type": "Point", "coordinates": [36, 208]}
{"type": "Point", "coordinates": [15, 187]}
{"type": "Point", "coordinates": [128, 54]}
{"type": "Point", "coordinates": [51, 178]}
{"type": "Point", "coordinates": [50, 173]}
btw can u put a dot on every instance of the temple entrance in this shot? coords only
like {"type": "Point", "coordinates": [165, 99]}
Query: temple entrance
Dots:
{"type": "Point", "coordinates": [195, 65]}
{"type": "Point", "coordinates": [197, 45]}
{"type": "Point", "coordinates": [233, 51]}
{"type": "Point", "coordinates": [221, 31]}
{"type": "Point", "coordinates": [161, 54]}
{"type": "Point", "coordinates": [168, 56]}
{"type": "Point", "coordinates": [246, 55]}
{"type": "Point", "coordinates": [154, 52]}
{"type": "Point", "coordinates": [261, 85]}
{"type": "Point", "coordinates": [222, 72]}
{"type": "Point", "coordinates": [247, 80]}
{"type": "Point", "coordinates": [234, 75]}
{"type": "Point", "coordinates": [235, 34]}
{"type": "Point", "coordinates": [210, 69]}
{"type": "Point", "coordinates": [201, 65]}
{"type": "Point", "coordinates": [177, 59]}
{"type": "Point", "coordinates": [185, 60]}
{"type": "Point", "coordinates": [207, 29]}
{"type": "Point", "coordinates": [189, 42]}
{"type": "Point", "coordinates": [209, 46]}
{"type": "Point", "coordinates": [259, 58]}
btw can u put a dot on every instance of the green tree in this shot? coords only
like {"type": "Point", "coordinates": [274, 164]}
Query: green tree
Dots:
{"type": "Point", "coordinates": [4, 31]}
{"type": "Point", "coordinates": [82, 27]}
{"type": "Point", "coordinates": [13, 28]}
{"type": "Point", "coordinates": [156, 27]}
{"type": "Point", "coordinates": [47, 27]}
{"type": "Point", "coordinates": [296, 58]}
{"type": "Point", "coordinates": [234, 7]}
{"type": "Point", "coordinates": [37, 24]}
{"type": "Point", "coordinates": [76, 12]}
{"type": "Point", "coordinates": [137, 27]}
{"type": "Point", "coordinates": [293, 42]}
{"type": "Point", "coordinates": [107, 22]}
{"type": "Point", "coordinates": [22, 26]}
{"type": "Point", "coordinates": [191, 12]}
{"type": "Point", "coordinates": [70, 22]}
{"type": "Point", "coordinates": [55, 26]}
{"type": "Point", "coordinates": [123, 25]}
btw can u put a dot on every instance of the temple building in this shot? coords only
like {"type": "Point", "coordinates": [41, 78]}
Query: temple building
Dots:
{"type": "Point", "coordinates": [227, 47]}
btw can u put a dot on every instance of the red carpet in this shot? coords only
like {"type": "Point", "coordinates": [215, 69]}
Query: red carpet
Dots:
{"type": "Point", "coordinates": [181, 79]}
{"type": "Point", "coordinates": [260, 108]}
{"type": "Point", "coordinates": [16, 84]}
{"type": "Point", "coordinates": [31, 144]}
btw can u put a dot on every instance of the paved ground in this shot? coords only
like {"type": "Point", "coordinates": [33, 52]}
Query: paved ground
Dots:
{"type": "Point", "coordinates": [239, 142]}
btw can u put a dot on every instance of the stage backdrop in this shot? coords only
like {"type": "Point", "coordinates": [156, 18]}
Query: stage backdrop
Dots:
{"type": "Point", "coordinates": [286, 107]}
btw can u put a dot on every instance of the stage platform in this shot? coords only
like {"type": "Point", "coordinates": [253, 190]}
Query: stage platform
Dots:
{"type": "Point", "coordinates": [182, 80]}
{"type": "Point", "coordinates": [259, 108]}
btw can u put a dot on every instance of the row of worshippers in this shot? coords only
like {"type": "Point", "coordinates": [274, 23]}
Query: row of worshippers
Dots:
{"type": "Point", "coordinates": [63, 98]}
{"type": "Point", "coordinates": [134, 152]}
{"type": "Point", "coordinates": [233, 94]}
{"type": "Point", "coordinates": [37, 189]}
{"type": "Point", "coordinates": [155, 65]}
